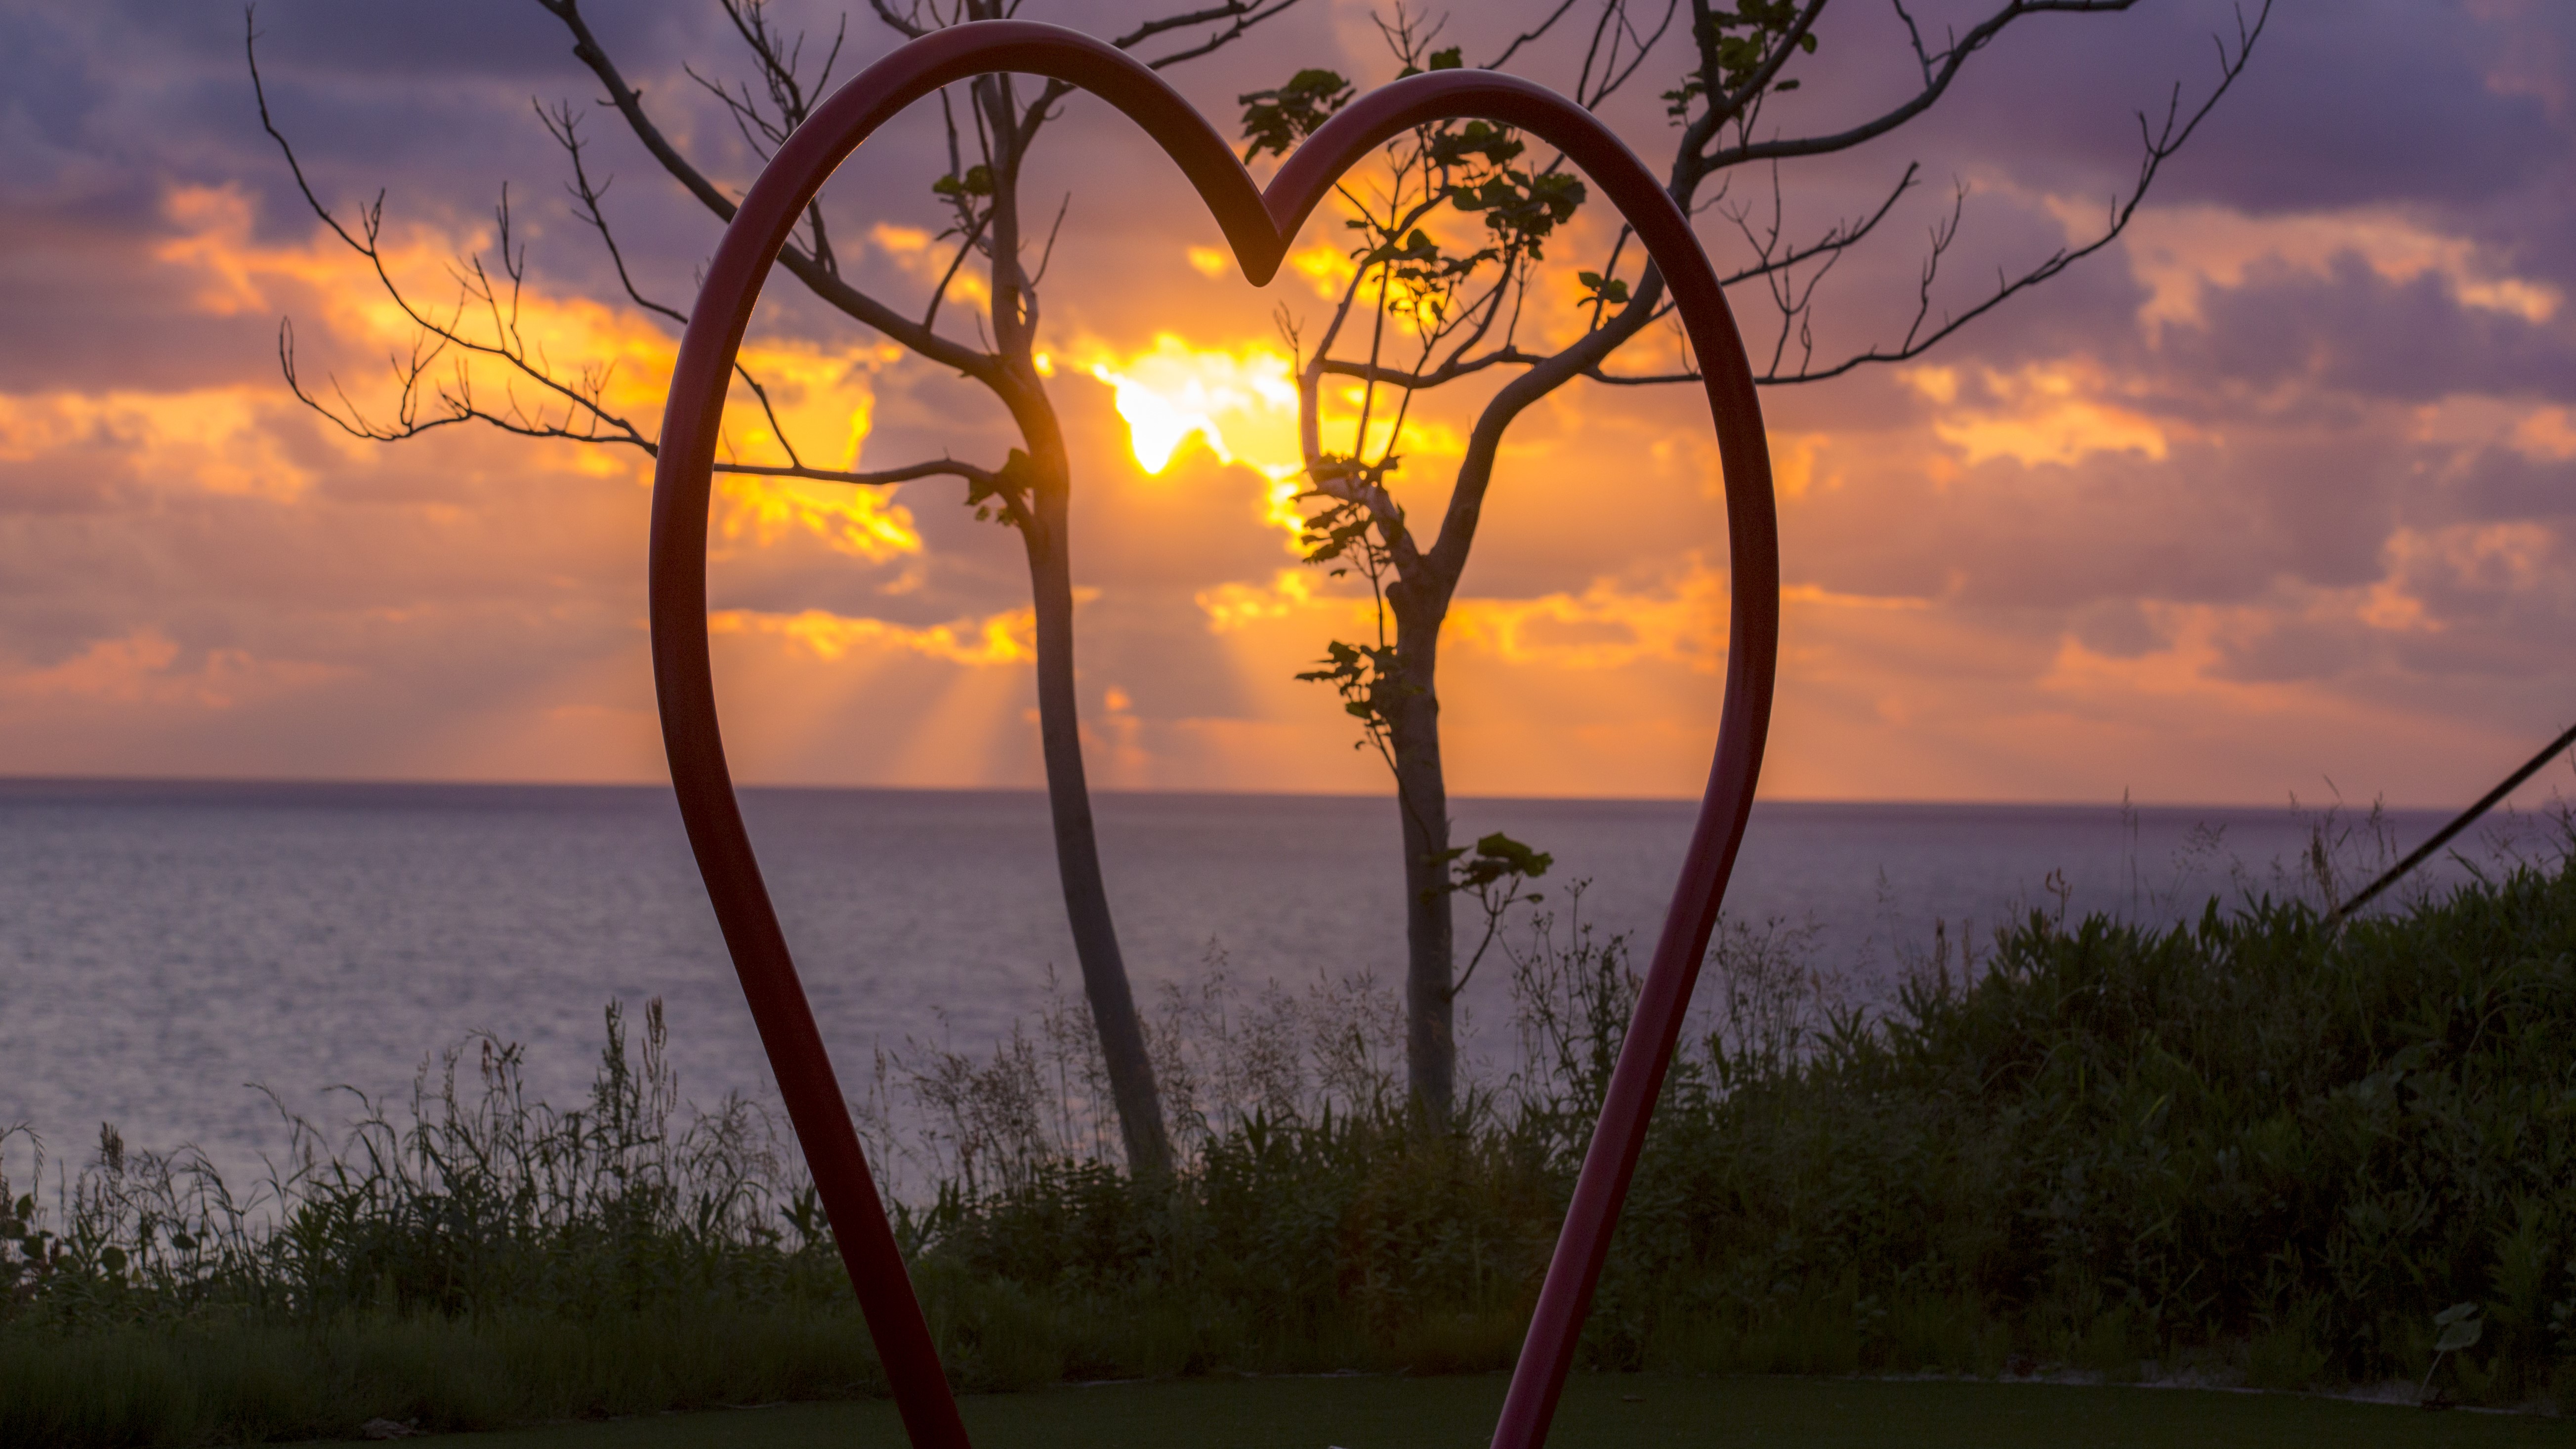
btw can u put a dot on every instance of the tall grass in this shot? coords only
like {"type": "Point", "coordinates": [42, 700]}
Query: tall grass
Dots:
{"type": "Point", "coordinates": [2250, 1143]}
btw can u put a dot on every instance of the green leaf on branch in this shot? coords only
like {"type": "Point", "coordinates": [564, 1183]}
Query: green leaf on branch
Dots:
{"type": "Point", "coordinates": [1274, 121]}
{"type": "Point", "coordinates": [1364, 675]}
{"type": "Point", "coordinates": [1339, 532]}
{"type": "Point", "coordinates": [1417, 250]}
{"type": "Point", "coordinates": [1476, 141]}
{"type": "Point", "coordinates": [1733, 46]}
{"type": "Point", "coordinates": [1499, 858]}
{"type": "Point", "coordinates": [978, 181]}
{"type": "Point", "coordinates": [1449, 59]}
{"type": "Point", "coordinates": [1519, 207]}
{"type": "Point", "coordinates": [1597, 288]}
{"type": "Point", "coordinates": [2461, 1328]}
{"type": "Point", "coordinates": [1003, 496]}
{"type": "Point", "coordinates": [1494, 875]}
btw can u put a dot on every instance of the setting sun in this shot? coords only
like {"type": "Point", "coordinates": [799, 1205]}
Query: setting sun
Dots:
{"type": "Point", "coordinates": [1240, 403]}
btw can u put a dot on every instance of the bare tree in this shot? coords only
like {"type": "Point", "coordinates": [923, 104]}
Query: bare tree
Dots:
{"type": "Point", "coordinates": [988, 157]}
{"type": "Point", "coordinates": [1416, 316]}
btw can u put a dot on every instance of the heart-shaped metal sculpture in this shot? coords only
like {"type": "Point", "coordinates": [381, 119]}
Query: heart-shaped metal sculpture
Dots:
{"type": "Point", "coordinates": [1260, 225]}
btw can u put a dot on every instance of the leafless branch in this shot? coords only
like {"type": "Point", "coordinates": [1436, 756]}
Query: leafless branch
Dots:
{"type": "Point", "coordinates": [1047, 256]}
{"type": "Point", "coordinates": [2157, 145]}
{"type": "Point", "coordinates": [818, 276]}
{"type": "Point", "coordinates": [1840, 237]}
{"type": "Point", "coordinates": [935, 468]}
{"type": "Point", "coordinates": [1614, 30]}
{"type": "Point", "coordinates": [564, 125]}
{"type": "Point", "coordinates": [1640, 46]}
{"type": "Point", "coordinates": [1534, 33]}
{"type": "Point", "coordinates": [1941, 68]}
{"type": "Point", "coordinates": [584, 414]}
{"type": "Point", "coordinates": [939, 294]}
{"type": "Point", "coordinates": [909, 25]}
{"type": "Point", "coordinates": [1447, 372]}
{"type": "Point", "coordinates": [791, 98]}
{"type": "Point", "coordinates": [1238, 17]}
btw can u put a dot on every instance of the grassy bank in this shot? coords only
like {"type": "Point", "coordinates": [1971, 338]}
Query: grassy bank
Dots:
{"type": "Point", "coordinates": [1612, 1411]}
{"type": "Point", "coordinates": [2255, 1146]}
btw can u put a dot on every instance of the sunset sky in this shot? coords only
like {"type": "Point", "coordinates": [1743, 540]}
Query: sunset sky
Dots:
{"type": "Point", "coordinates": [2276, 495]}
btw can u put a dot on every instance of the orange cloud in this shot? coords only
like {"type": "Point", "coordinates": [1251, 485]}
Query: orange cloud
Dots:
{"type": "Point", "coordinates": [2179, 252]}
{"type": "Point", "coordinates": [221, 440]}
{"type": "Point", "coordinates": [1604, 627]}
{"type": "Point", "coordinates": [1233, 606]}
{"type": "Point", "coordinates": [820, 396]}
{"type": "Point", "coordinates": [2041, 413]}
{"type": "Point", "coordinates": [2141, 589]}
{"type": "Point", "coordinates": [849, 519]}
{"type": "Point", "coordinates": [1006, 638]}
{"type": "Point", "coordinates": [137, 669]}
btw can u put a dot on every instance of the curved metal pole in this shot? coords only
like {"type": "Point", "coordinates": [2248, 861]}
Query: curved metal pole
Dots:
{"type": "Point", "coordinates": [1259, 225]}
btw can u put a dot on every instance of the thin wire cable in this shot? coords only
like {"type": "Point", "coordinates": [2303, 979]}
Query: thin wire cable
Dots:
{"type": "Point", "coordinates": [2443, 836]}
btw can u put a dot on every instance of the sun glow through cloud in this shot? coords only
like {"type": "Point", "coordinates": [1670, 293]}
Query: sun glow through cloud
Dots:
{"type": "Point", "coordinates": [1005, 638]}
{"type": "Point", "coordinates": [1234, 606]}
{"type": "Point", "coordinates": [1240, 403]}
{"type": "Point", "coordinates": [854, 521]}
{"type": "Point", "coordinates": [2274, 486]}
{"type": "Point", "coordinates": [1606, 626]}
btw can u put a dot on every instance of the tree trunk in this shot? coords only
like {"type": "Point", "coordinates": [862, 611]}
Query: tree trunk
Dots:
{"type": "Point", "coordinates": [1419, 599]}
{"type": "Point", "coordinates": [1412, 713]}
{"type": "Point", "coordinates": [1077, 852]}
{"type": "Point", "coordinates": [1046, 532]}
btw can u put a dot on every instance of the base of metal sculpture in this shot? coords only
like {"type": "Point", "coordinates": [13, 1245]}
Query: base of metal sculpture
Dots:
{"type": "Point", "coordinates": [1259, 224]}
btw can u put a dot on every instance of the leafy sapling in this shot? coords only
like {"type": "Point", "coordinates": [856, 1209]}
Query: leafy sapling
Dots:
{"type": "Point", "coordinates": [2461, 1328]}
{"type": "Point", "coordinates": [1494, 876]}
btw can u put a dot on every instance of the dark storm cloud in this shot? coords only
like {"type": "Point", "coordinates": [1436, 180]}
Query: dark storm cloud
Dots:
{"type": "Point", "coordinates": [2496, 484]}
{"type": "Point", "coordinates": [2292, 648]}
{"type": "Point", "coordinates": [2299, 380]}
{"type": "Point", "coordinates": [450, 40]}
{"type": "Point", "coordinates": [2118, 628]}
{"type": "Point", "coordinates": [2376, 103]}
{"type": "Point", "coordinates": [450, 122]}
{"type": "Point", "coordinates": [109, 105]}
{"type": "Point", "coordinates": [2207, 525]}
{"type": "Point", "coordinates": [2362, 335]}
{"type": "Point", "coordinates": [166, 87]}
{"type": "Point", "coordinates": [2361, 101]}
{"type": "Point", "coordinates": [2047, 536]}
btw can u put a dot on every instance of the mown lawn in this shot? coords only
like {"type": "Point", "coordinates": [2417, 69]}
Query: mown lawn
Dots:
{"type": "Point", "coordinates": [1608, 1411]}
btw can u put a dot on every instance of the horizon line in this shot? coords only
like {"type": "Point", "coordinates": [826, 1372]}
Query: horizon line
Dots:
{"type": "Point", "coordinates": [2291, 803]}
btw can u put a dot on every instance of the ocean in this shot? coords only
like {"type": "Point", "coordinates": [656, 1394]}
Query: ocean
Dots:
{"type": "Point", "coordinates": [187, 959]}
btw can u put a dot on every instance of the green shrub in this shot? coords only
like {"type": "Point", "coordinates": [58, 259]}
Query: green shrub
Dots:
{"type": "Point", "coordinates": [2256, 1142]}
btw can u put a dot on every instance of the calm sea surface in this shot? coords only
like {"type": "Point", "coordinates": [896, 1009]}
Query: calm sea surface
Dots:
{"type": "Point", "coordinates": [163, 946]}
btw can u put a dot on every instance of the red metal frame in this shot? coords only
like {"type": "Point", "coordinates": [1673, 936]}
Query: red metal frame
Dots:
{"type": "Point", "coordinates": [1259, 224]}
